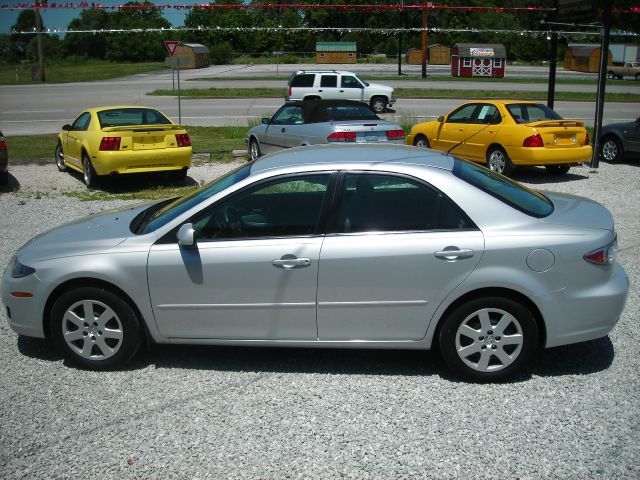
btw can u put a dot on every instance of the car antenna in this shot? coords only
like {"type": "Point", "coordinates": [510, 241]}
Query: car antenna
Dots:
{"type": "Point", "coordinates": [470, 136]}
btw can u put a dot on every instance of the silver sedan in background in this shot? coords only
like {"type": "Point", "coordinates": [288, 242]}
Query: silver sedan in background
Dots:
{"type": "Point", "coordinates": [314, 122]}
{"type": "Point", "coordinates": [354, 246]}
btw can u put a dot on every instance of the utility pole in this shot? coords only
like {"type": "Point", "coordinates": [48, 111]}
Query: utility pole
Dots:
{"type": "Point", "coordinates": [602, 78]}
{"type": "Point", "coordinates": [41, 71]}
{"type": "Point", "coordinates": [424, 40]}
{"type": "Point", "coordinates": [400, 38]}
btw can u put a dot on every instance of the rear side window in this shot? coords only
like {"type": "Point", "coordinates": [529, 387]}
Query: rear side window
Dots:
{"type": "Point", "coordinates": [303, 80]}
{"type": "Point", "coordinates": [504, 189]}
{"type": "Point", "coordinates": [329, 81]}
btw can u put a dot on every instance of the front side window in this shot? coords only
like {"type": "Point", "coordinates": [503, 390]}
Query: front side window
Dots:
{"type": "Point", "coordinates": [388, 203]}
{"type": "Point", "coordinates": [487, 114]}
{"type": "Point", "coordinates": [349, 81]}
{"type": "Point", "coordinates": [288, 115]}
{"type": "Point", "coordinates": [117, 117]}
{"type": "Point", "coordinates": [82, 122]}
{"type": "Point", "coordinates": [504, 189]}
{"type": "Point", "coordinates": [285, 207]}
{"type": "Point", "coordinates": [463, 114]}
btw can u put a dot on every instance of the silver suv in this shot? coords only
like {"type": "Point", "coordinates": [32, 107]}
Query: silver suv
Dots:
{"type": "Point", "coordinates": [338, 85]}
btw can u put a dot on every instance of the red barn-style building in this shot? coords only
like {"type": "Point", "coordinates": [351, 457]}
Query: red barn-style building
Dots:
{"type": "Point", "coordinates": [478, 60]}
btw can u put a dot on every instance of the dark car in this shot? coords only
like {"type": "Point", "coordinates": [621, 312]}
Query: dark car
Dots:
{"type": "Point", "coordinates": [620, 140]}
{"type": "Point", "coordinates": [4, 160]}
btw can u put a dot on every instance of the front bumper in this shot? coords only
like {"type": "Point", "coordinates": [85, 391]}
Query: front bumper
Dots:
{"type": "Point", "coordinates": [24, 314]}
{"type": "Point", "coordinates": [138, 161]}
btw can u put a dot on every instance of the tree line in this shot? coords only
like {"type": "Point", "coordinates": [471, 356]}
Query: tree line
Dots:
{"type": "Point", "coordinates": [211, 28]}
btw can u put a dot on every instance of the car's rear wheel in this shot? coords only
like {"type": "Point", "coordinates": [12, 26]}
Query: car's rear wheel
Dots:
{"type": "Point", "coordinates": [60, 158]}
{"type": "Point", "coordinates": [611, 75]}
{"type": "Point", "coordinates": [637, 76]}
{"type": "Point", "coordinates": [421, 141]}
{"type": "Point", "coordinates": [557, 169]}
{"type": "Point", "coordinates": [498, 161]}
{"type": "Point", "coordinates": [254, 149]}
{"type": "Point", "coordinates": [378, 104]}
{"type": "Point", "coordinates": [4, 178]}
{"type": "Point", "coordinates": [611, 150]}
{"type": "Point", "coordinates": [95, 328]}
{"type": "Point", "coordinates": [179, 174]}
{"type": "Point", "coordinates": [488, 339]}
{"type": "Point", "coordinates": [88, 172]}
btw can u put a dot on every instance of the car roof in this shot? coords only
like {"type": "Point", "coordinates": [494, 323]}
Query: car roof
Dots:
{"type": "Point", "coordinates": [365, 156]}
{"type": "Point", "coordinates": [342, 72]}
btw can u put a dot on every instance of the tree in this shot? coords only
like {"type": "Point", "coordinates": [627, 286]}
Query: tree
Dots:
{"type": "Point", "coordinates": [26, 22]}
{"type": "Point", "coordinates": [87, 44]}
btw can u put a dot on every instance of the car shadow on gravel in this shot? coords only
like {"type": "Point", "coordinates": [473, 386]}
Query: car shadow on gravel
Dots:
{"type": "Point", "coordinates": [134, 182]}
{"type": "Point", "coordinates": [11, 186]}
{"type": "Point", "coordinates": [538, 175]}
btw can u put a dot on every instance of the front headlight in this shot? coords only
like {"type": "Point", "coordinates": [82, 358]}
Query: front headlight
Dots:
{"type": "Point", "coordinates": [18, 270]}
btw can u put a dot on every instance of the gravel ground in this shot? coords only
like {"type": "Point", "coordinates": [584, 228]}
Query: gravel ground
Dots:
{"type": "Point", "coordinates": [213, 412]}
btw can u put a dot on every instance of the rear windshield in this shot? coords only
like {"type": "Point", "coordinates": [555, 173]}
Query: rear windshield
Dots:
{"type": "Point", "coordinates": [529, 112]}
{"type": "Point", "coordinates": [117, 117]}
{"type": "Point", "coordinates": [303, 80]}
{"type": "Point", "coordinates": [512, 193]}
{"type": "Point", "coordinates": [324, 112]}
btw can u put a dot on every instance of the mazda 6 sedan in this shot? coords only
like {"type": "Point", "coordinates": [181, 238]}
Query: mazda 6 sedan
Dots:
{"type": "Point", "coordinates": [354, 246]}
{"type": "Point", "coordinates": [115, 140]}
{"type": "Point", "coordinates": [315, 122]}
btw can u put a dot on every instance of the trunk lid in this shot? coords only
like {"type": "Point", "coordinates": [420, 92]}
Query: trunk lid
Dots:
{"type": "Point", "coordinates": [576, 211]}
{"type": "Point", "coordinates": [560, 133]}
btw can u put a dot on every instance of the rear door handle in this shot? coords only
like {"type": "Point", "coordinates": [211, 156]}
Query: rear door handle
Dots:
{"type": "Point", "coordinates": [291, 262]}
{"type": "Point", "coordinates": [453, 253]}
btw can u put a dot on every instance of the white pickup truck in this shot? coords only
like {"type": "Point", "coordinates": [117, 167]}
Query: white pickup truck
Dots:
{"type": "Point", "coordinates": [629, 69]}
{"type": "Point", "coordinates": [338, 85]}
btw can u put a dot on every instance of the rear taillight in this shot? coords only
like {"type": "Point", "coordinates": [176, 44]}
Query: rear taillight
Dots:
{"type": "Point", "coordinates": [3, 144]}
{"type": "Point", "coordinates": [586, 138]}
{"type": "Point", "coordinates": [342, 137]}
{"type": "Point", "coordinates": [604, 255]}
{"type": "Point", "coordinates": [533, 141]}
{"type": "Point", "coordinates": [289, 90]}
{"type": "Point", "coordinates": [395, 134]}
{"type": "Point", "coordinates": [183, 140]}
{"type": "Point", "coordinates": [110, 143]}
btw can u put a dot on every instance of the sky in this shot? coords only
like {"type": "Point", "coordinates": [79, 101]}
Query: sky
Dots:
{"type": "Point", "coordinates": [60, 18]}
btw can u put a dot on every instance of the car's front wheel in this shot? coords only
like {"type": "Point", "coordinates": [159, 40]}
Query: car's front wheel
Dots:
{"type": "Point", "coordinates": [95, 328]}
{"type": "Point", "coordinates": [421, 141]}
{"type": "Point", "coordinates": [557, 169]}
{"type": "Point", "coordinates": [254, 149]}
{"type": "Point", "coordinates": [611, 150]}
{"type": "Point", "coordinates": [60, 158]}
{"type": "Point", "coordinates": [499, 161]}
{"type": "Point", "coordinates": [611, 75]}
{"type": "Point", "coordinates": [378, 104]}
{"type": "Point", "coordinates": [488, 339]}
{"type": "Point", "coordinates": [88, 172]}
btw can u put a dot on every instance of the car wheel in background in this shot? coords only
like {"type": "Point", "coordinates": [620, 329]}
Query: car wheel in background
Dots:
{"type": "Point", "coordinates": [254, 149]}
{"type": "Point", "coordinates": [421, 141]}
{"type": "Point", "coordinates": [95, 328]}
{"type": "Point", "coordinates": [378, 104]}
{"type": "Point", "coordinates": [557, 169]}
{"type": "Point", "coordinates": [88, 172]}
{"type": "Point", "coordinates": [610, 150]}
{"type": "Point", "coordinates": [488, 339]}
{"type": "Point", "coordinates": [60, 158]}
{"type": "Point", "coordinates": [611, 75]}
{"type": "Point", "coordinates": [179, 175]}
{"type": "Point", "coordinates": [4, 178]}
{"type": "Point", "coordinates": [498, 161]}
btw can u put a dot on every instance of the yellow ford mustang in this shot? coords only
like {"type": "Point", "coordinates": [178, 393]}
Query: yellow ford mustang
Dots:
{"type": "Point", "coordinates": [114, 140]}
{"type": "Point", "coordinates": [504, 134]}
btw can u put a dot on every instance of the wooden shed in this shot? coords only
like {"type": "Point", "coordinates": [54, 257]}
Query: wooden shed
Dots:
{"type": "Point", "coordinates": [192, 55]}
{"type": "Point", "coordinates": [439, 54]}
{"type": "Point", "coordinates": [584, 58]}
{"type": "Point", "coordinates": [478, 60]}
{"type": "Point", "coordinates": [336, 52]}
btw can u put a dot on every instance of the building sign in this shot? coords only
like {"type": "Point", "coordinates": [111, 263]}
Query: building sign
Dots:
{"type": "Point", "coordinates": [481, 52]}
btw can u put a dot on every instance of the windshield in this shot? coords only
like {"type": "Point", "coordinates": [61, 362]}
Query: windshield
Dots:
{"type": "Point", "coordinates": [117, 117]}
{"type": "Point", "coordinates": [182, 204]}
{"type": "Point", "coordinates": [512, 193]}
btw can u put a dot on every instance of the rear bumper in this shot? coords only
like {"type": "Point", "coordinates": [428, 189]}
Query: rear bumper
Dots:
{"type": "Point", "coordinates": [549, 156]}
{"type": "Point", "coordinates": [138, 161]}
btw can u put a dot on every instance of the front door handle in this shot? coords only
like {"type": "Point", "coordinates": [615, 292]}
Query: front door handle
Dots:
{"type": "Point", "coordinates": [454, 253]}
{"type": "Point", "coordinates": [291, 262]}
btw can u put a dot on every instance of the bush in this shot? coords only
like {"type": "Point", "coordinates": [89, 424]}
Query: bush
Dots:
{"type": "Point", "coordinates": [221, 54]}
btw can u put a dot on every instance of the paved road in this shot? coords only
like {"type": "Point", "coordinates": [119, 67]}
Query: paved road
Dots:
{"type": "Point", "coordinates": [27, 109]}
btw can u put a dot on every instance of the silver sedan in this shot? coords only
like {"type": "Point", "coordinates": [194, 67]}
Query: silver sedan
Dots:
{"type": "Point", "coordinates": [380, 246]}
{"type": "Point", "coordinates": [313, 122]}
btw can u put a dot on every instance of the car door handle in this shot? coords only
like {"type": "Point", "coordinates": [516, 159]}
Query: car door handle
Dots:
{"type": "Point", "coordinates": [291, 262]}
{"type": "Point", "coordinates": [341, 91]}
{"type": "Point", "coordinates": [283, 130]}
{"type": "Point", "coordinates": [454, 253]}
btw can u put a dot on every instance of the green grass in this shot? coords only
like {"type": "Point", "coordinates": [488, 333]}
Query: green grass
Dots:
{"type": "Point", "coordinates": [409, 92]}
{"type": "Point", "coordinates": [139, 190]}
{"type": "Point", "coordinates": [76, 72]}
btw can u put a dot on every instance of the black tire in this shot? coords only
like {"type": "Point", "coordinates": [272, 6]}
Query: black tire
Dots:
{"type": "Point", "coordinates": [179, 175]}
{"type": "Point", "coordinates": [611, 149]}
{"type": "Point", "coordinates": [254, 150]}
{"type": "Point", "coordinates": [104, 338]}
{"type": "Point", "coordinates": [89, 175]}
{"type": "Point", "coordinates": [611, 75]}
{"type": "Point", "coordinates": [421, 141]}
{"type": "Point", "coordinates": [59, 157]}
{"type": "Point", "coordinates": [557, 169]}
{"type": "Point", "coordinates": [505, 335]}
{"type": "Point", "coordinates": [379, 104]}
{"type": "Point", "coordinates": [499, 161]}
{"type": "Point", "coordinates": [637, 76]}
{"type": "Point", "coordinates": [4, 178]}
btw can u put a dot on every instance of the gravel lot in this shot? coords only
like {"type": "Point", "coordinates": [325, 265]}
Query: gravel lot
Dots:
{"type": "Point", "coordinates": [203, 412]}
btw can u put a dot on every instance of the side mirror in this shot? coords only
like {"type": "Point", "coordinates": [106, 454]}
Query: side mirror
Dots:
{"type": "Point", "coordinates": [440, 119]}
{"type": "Point", "coordinates": [66, 127]}
{"type": "Point", "coordinates": [265, 120]}
{"type": "Point", "coordinates": [186, 235]}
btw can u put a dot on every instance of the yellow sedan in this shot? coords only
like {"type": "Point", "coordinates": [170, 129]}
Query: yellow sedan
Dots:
{"type": "Point", "coordinates": [116, 140]}
{"type": "Point", "coordinates": [505, 134]}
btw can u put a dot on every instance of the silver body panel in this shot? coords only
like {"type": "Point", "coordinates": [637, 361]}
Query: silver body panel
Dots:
{"type": "Point", "coordinates": [382, 289]}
